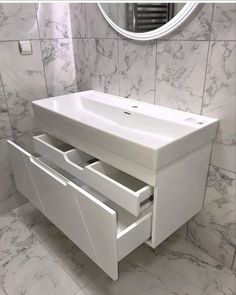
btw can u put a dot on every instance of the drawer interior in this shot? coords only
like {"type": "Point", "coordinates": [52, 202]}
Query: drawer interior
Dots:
{"type": "Point", "coordinates": [77, 157]}
{"type": "Point", "coordinates": [55, 142]}
{"type": "Point", "coordinates": [118, 176]}
{"type": "Point", "coordinates": [123, 189]}
{"type": "Point", "coordinates": [124, 218]}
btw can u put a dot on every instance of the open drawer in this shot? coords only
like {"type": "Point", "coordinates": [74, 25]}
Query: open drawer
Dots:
{"type": "Point", "coordinates": [105, 234]}
{"type": "Point", "coordinates": [125, 190]}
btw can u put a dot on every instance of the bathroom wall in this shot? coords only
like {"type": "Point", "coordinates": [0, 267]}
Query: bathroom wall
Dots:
{"type": "Point", "coordinates": [192, 69]}
{"type": "Point", "coordinates": [48, 71]}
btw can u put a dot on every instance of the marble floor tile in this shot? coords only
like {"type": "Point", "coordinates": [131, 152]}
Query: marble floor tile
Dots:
{"type": "Point", "coordinates": [18, 21]}
{"type": "Point", "coordinates": [25, 265]}
{"type": "Point", "coordinates": [223, 284]}
{"type": "Point", "coordinates": [35, 272]}
{"type": "Point", "coordinates": [82, 269]}
{"type": "Point", "coordinates": [36, 258]}
{"type": "Point", "coordinates": [180, 70]}
{"type": "Point", "coordinates": [195, 265]}
{"type": "Point", "coordinates": [214, 228]}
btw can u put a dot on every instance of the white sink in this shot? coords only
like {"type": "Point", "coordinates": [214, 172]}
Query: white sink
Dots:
{"type": "Point", "coordinates": [109, 126]}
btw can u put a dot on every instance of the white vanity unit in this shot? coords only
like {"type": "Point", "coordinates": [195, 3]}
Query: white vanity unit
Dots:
{"type": "Point", "coordinates": [112, 173]}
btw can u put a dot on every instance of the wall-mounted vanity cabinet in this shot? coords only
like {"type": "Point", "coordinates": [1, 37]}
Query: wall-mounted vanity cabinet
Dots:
{"type": "Point", "coordinates": [113, 173]}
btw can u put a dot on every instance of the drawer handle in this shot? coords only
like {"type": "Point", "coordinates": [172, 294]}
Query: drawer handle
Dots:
{"type": "Point", "coordinates": [49, 171]}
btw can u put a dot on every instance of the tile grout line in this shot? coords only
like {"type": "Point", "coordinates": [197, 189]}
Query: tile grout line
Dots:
{"type": "Point", "coordinates": [155, 74]}
{"type": "Point", "coordinates": [87, 46]}
{"type": "Point", "coordinates": [5, 97]}
{"type": "Point", "coordinates": [41, 50]}
{"type": "Point", "coordinates": [234, 259]}
{"type": "Point", "coordinates": [207, 62]}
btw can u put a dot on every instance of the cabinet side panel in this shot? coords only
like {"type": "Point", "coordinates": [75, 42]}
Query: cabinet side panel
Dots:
{"type": "Point", "coordinates": [179, 192]}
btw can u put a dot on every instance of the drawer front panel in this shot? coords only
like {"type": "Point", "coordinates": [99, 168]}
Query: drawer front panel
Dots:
{"type": "Point", "coordinates": [23, 178]}
{"type": "Point", "coordinates": [89, 223]}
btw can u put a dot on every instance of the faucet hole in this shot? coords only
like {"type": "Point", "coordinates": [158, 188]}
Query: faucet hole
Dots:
{"type": "Point", "coordinates": [134, 107]}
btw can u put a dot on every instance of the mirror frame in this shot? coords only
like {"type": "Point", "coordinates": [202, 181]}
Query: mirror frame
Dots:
{"type": "Point", "coordinates": [176, 21]}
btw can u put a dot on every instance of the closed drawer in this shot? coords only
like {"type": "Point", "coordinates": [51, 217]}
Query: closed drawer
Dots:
{"type": "Point", "coordinates": [103, 230]}
{"type": "Point", "coordinates": [125, 190]}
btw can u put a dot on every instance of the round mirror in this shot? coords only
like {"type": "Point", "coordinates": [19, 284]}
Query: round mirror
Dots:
{"type": "Point", "coordinates": [146, 21]}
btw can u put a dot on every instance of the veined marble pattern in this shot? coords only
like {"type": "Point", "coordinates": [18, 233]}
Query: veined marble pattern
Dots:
{"type": "Point", "coordinates": [23, 81]}
{"type": "Point", "coordinates": [224, 22]}
{"type": "Point", "coordinates": [234, 262]}
{"type": "Point", "coordinates": [223, 284]}
{"type": "Point", "coordinates": [174, 268]}
{"type": "Point", "coordinates": [82, 64]}
{"type": "Point", "coordinates": [214, 228]}
{"type": "Point", "coordinates": [25, 139]}
{"type": "Point", "coordinates": [58, 59]}
{"type": "Point", "coordinates": [5, 126]}
{"type": "Point", "coordinates": [180, 70]}
{"type": "Point", "coordinates": [73, 260]}
{"type": "Point", "coordinates": [196, 27]}
{"type": "Point", "coordinates": [96, 24]}
{"type": "Point", "coordinates": [25, 266]}
{"type": "Point", "coordinates": [9, 198]}
{"type": "Point", "coordinates": [137, 70]}
{"type": "Point", "coordinates": [78, 20]}
{"type": "Point", "coordinates": [103, 58]}
{"type": "Point", "coordinates": [17, 21]}
{"type": "Point", "coordinates": [220, 101]}
{"type": "Point", "coordinates": [54, 20]}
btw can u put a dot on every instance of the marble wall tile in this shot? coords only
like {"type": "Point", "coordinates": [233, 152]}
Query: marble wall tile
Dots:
{"type": "Point", "coordinates": [137, 70]}
{"type": "Point", "coordinates": [78, 20]}
{"type": "Point", "coordinates": [220, 101]}
{"type": "Point", "coordinates": [23, 81]}
{"type": "Point", "coordinates": [180, 71]}
{"type": "Point", "coordinates": [17, 21]}
{"type": "Point", "coordinates": [103, 59]}
{"type": "Point", "coordinates": [224, 22]}
{"type": "Point", "coordinates": [81, 54]}
{"type": "Point", "coordinates": [9, 198]}
{"type": "Point", "coordinates": [25, 139]}
{"type": "Point", "coordinates": [196, 27]}
{"type": "Point", "coordinates": [54, 20]}
{"type": "Point", "coordinates": [96, 24]}
{"type": "Point", "coordinates": [214, 228]}
{"type": "Point", "coordinates": [58, 59]}
{"type": "Point", "coordinates": [5, 126]}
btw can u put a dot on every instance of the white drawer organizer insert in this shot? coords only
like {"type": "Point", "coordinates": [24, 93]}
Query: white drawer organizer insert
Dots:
{"type": "Point", "coordinates": [105, 203]}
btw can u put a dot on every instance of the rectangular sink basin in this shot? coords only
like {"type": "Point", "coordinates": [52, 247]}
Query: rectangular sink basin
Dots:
{"type": "Point", "coordinates": [149, 135]}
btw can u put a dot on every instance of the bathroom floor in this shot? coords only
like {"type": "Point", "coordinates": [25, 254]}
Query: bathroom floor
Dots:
{"type": "Point", "coordinates": [36, 258]}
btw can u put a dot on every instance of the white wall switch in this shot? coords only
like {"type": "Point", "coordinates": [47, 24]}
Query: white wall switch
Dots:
{"type": "Point", "coordinates": [25, 47]}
